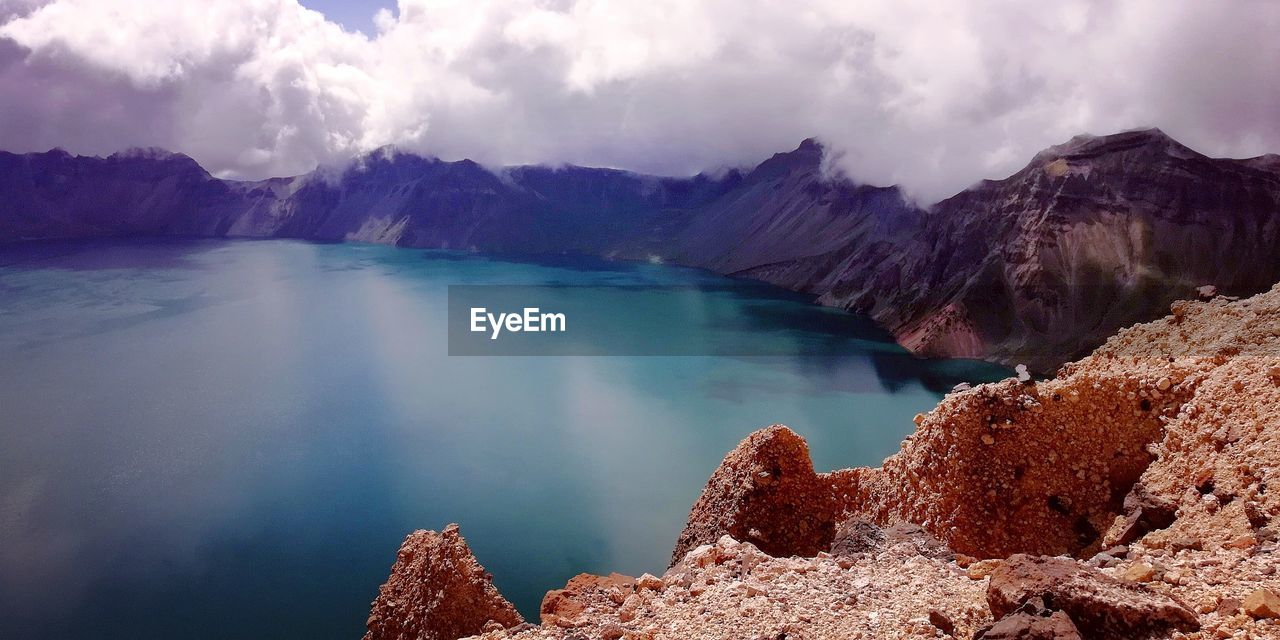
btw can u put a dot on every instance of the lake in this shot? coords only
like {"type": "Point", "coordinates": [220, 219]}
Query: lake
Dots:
{"type": "Point", "coordinates": [230, 439]}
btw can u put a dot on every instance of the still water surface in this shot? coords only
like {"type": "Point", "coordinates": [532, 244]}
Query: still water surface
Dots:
{"type": "Point", "coordinates": [209, 439]}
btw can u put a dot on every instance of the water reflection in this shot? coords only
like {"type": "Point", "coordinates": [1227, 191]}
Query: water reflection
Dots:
{"type": "Point", "coordinates": [230, 439]}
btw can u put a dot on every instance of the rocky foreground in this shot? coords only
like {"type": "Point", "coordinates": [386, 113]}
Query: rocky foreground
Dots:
{"type": "Point", "coordinates": [1135, 495]}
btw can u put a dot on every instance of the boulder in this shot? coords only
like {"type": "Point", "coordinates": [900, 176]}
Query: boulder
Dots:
{"type": "Point", "coordinates": [1099, 605]}
{"type": "Point", "coordinates": [922, 541]}
{"type": "Point", "coordinates": [858, 535]}
{"type": "Point", "coordinates": [1143, 513]}
{"type": "Point", "coordinates": [1032, 621]}
{"type": "Point", "coordinates": [437, 591]}
{"type": "Point", "coordinates": [1262, 603]}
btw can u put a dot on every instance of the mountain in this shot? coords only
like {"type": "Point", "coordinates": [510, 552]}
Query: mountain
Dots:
{"type": "Point", "coordinates": [409, 200]}
{"type": "Point", "coordinates": [140, 192]}
{"type": "Point", "coordinates": [789, 208]}
{"type": "Point", "coordinates": [1092, 235]}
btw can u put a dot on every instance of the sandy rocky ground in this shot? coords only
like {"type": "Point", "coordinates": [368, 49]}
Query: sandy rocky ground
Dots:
{"type": "Point", "coordinates": [1134, 495]}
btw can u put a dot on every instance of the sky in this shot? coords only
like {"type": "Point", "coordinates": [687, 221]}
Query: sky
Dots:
{"type": "Point", "coordinates": [930, 95]}
{"type": "Point", "coordinates": [353, 15]}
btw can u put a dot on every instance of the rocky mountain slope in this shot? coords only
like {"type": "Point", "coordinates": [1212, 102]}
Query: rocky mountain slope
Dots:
{"type": "Point", "coordinates": [1131, 496]}
{"type": "Point", "coordinates": [137, 193]}
{"type": "Point", "coordinates": [1092, 235]}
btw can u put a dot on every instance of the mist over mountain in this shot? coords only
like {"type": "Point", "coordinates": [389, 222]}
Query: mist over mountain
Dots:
{"type": "Point", "coordinates": [932, 98]}
{"type": "Point", "coordinates": [1092, 235]}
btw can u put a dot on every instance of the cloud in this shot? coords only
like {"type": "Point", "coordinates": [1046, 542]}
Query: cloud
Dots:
{"type": "Point", "coordinates": [930, 95]}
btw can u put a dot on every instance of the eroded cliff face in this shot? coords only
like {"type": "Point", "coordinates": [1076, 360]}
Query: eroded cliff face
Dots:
{"type": "Point", "coordinates": [1091, 236]}
{"type": "Point", "coordinates": [1170, 426]}
{"type": "Point", "coordinates": [1131, 496]}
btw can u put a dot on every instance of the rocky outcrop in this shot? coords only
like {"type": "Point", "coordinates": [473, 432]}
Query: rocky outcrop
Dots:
{"type": "Point", "coordinates": [1163, 440]}
{"type": "Point", "coordinates": [1166, 433]}
{"type": "Point", "coordinates": [1011, 467]}
{"type": "Point", "coordinates": [1152, 462]}
{"type": "Point", "coordinates": [764, 492]}
{"type": "Point", "coordinates": [437, 591]}
{"type": "Point", "coordinates": [995, 470]}
{"type": "Point", "coordinates": [1217, 464]}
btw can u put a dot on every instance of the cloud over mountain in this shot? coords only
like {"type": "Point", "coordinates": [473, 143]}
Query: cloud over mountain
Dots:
{"type": "Point", "coordinates": [931, 95]}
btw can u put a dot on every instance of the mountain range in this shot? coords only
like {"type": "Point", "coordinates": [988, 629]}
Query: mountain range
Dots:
{"type": "Point", "coordinates": [1095, 234]}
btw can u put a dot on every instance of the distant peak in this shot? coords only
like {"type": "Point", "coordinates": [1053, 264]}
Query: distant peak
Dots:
{"type": "Point", "coordinates": [158, 157]}
{"type": "Point", "coordinates": [1086, 146]}
{"type": "Point", "coordinates": [390, 152]}
{"type": "Point", "coordinates": [148, 153]}
{"type": "Point", "coordinates": [806, 157]}
{"type": "Point", "coordinates": [387, 155]}
{"type": "Point", "coordinates": [810, 144]}
{"type": "Point", "coordinates": [384, 152]}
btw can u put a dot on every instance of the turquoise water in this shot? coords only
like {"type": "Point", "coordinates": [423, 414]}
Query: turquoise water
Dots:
{"type": "Point", "coordinates": [208, 439]}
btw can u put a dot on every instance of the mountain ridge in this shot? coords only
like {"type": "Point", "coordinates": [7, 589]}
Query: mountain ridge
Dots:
{"type": "Point", "coordinates": [1038, 267]}
{"type": "Point", "coordinates": [1091, 235]}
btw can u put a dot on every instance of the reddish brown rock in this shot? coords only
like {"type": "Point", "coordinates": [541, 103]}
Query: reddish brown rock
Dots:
{"type": "Point", "coordinates": [1098, 604]}
{"type": "Point", "coordinates": [1262, 603]}
{"type": "Point", "coordinates": [1032, 621]}
{"type": "Point", "coordinates": [730, 590]}
{"type": "Point", "coordinates": [1143, 513]}
{"type": "Point", "coordinates": [1222, 443]}
{"type": "Point", "coordinates": [586, 591]}
{"type": "Point", "coordinates": [999, 469]}
{"type": "Point", "coordinates": [437, 591]}
{"type": "Point", "coordinates": [1020, 468]}
{"type": "Point", "coordinates": [764, 492]}
{"type": "Point", "coordinates": [942, 622]}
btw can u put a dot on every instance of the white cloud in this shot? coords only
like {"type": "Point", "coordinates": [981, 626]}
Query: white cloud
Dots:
{"type": "Point", "coordinates": [931, 95]}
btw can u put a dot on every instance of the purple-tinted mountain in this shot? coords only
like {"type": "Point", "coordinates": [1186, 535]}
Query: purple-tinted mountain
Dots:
{"type": "Point", "coordinates": [413, 201]}
{"type": "Point", "coordinates": [142, 192]}
{"type": "Point", "coordinates": [1093, 235]}
{"type": "Point", "coordinates": [789, 208]}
